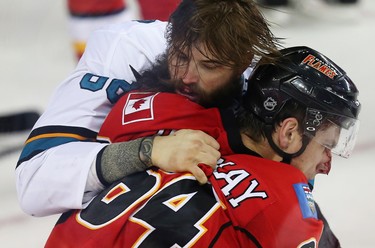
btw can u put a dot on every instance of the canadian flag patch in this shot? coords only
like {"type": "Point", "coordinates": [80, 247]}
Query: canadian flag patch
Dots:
{"type": "Point", "coordinates": [138, 107]}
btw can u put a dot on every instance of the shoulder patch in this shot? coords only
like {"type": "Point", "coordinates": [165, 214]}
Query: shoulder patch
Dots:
{"type": "Point", "coordinates": [306, 200]}
{"type": "Point", "coordinates": [138, 107]}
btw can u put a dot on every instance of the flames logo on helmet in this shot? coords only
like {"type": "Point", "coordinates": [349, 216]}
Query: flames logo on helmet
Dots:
{"type": "Point", "coordinates": [319, 65]}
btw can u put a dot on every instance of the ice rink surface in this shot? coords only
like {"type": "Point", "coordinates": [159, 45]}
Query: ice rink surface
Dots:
{"type": "Point", "coordinates": [36, 55]}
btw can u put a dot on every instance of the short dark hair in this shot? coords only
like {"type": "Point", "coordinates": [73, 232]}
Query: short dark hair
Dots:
{"type": "Point", "coordinates": [251, 125]}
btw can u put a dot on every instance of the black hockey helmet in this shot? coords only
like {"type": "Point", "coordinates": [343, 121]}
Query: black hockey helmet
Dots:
{"type": "Point", "coordinates": [313, 80]}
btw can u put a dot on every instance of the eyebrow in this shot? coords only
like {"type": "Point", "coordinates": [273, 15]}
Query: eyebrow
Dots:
{"type": "Point", "coordinates": [212, 61]}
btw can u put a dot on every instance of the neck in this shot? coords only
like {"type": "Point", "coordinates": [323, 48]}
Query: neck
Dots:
{"type": "Point", "coordinates": [262, 148]}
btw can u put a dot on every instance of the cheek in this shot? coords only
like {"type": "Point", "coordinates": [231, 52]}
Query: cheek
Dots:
{"type": "Point", "coordinates": [306, 165]}
{"type": "Point", "coordinates": [308, 160]}
{"type": "Point", "coordinates": [177, 72]}
{"type": "Point", "coordinates": [313, 156]}
{"type": "Point", "coordinates": [319, 153]}
{"type": "Point", "coordinates": [300, 163]}
{"type": "Point", "coordinates": [213, 81]}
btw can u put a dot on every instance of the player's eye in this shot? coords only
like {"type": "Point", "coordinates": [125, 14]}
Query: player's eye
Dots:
{"type": "Point", "coordinates": [210, 65]}
{"type": "Point", "coordinates": [330, 145]}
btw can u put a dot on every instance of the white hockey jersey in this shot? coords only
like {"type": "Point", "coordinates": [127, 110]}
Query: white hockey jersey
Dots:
{"type": "Point", "coordinates": [53, 168]}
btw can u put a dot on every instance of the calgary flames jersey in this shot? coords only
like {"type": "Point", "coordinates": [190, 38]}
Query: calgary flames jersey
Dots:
{"type": "Point", "coordinates": [248, 202]}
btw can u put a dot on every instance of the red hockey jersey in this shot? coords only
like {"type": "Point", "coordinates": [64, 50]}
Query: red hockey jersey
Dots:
{"type": "Point", "coordinates": [249, 202]}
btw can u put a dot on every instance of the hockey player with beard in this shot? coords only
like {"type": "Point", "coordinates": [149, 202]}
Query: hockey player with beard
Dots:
{"type": "Point", "coordinates": [57, 164]}
{"type": "Point", "coordinates": [298, 112]}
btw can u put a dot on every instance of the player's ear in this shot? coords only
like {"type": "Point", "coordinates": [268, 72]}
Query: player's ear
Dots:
{"type": "Point", "coordinates": [289, 136]}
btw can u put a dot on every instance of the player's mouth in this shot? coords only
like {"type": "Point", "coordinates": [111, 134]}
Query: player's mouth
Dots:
{"type": "Point", "coordinates": [187, 92]}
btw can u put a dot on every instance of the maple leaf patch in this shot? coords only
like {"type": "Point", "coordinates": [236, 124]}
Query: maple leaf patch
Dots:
{"type": "Point", "coordinates": [138, 107]}
{"type": "Point", "coordinates": [138, 103]}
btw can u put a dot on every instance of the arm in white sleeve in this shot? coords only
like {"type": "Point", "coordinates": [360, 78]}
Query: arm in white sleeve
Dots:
{"type": "Point", "coordinates": [71, 186]}
{"type": "Point", "coordinates": [53, 172]}
{"type": "Point", "coordinates": [53, 182]}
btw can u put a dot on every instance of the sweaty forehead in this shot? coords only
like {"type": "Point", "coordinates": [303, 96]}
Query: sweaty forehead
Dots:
{"type": "Point", "coordinates": [200, 50]}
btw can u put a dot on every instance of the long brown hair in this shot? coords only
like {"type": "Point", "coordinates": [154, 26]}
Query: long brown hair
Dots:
{"type": "Point", "coordinates": [233, 31]}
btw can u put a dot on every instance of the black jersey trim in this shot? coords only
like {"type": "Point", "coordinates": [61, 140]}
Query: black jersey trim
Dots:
{"type": "Point", "coordinates": [237, 228]}
{"type": "Point", "coordinates": [98, 167]}
{"type": "Point", "coordinates": [44, 138]}
{"type": "Point", "coordinates": [222, 228]}
{"type": "Point", "coordinates": [64, 217]}
{"type": "Point", "coordinates": [84, 132]}
{"type": "Point", "coordinates": [249, 235]}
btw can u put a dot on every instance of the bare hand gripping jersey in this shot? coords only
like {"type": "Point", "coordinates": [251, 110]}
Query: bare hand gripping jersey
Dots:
{"type": "Point", "coordinates": [249, 202]}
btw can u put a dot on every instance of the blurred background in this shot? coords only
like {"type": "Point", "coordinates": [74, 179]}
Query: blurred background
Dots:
{"type": "Point", "coordinates": [36, 54]}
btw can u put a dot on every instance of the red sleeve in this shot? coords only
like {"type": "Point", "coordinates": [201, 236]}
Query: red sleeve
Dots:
{"type": "Point", "coordinates": [157, 9]}
{"type": "Point", "coordinates": [95, 7]}
{"type": "Point", "coordinates": [140, 114]}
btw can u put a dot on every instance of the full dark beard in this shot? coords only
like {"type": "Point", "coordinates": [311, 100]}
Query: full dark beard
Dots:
{"type": "Point", "coordinates": [157, 78]}
{"type": "Point", "coordinates": [222, 97]}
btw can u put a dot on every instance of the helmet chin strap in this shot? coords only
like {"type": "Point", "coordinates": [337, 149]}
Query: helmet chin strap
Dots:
{"type": "Point", "coordinates": [287, 157]}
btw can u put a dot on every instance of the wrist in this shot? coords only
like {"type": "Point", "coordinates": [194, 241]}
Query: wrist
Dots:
{"type": "Point", "coordinates": [145, 150]}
